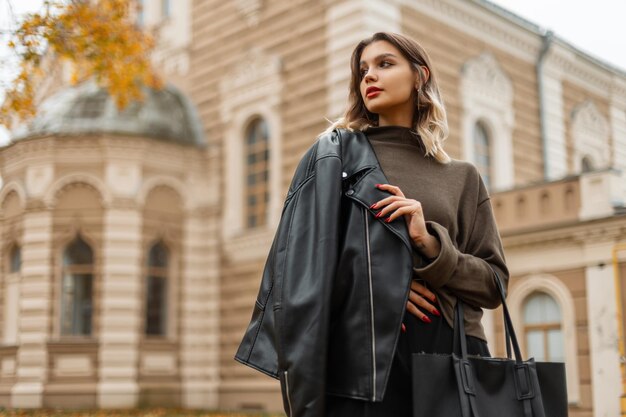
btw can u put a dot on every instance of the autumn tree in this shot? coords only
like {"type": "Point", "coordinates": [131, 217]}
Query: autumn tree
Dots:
{"type": "Point", "coordinates": [97, 37]}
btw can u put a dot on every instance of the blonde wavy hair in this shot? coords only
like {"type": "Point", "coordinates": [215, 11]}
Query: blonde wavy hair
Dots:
{"type": "Point", "coordinates": [429, 117]}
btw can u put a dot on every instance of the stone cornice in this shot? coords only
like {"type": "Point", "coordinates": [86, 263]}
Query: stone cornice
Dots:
{"type": "Point", "coordinates": [484, 24]}
{"type": "Point", "coordinates": [602, 230]}
{"type": "Point", "coordinates": [510, 34]}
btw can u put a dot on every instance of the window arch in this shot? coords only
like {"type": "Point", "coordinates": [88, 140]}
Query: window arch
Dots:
{"type": "Point", "coordinates": [586, 164]}
{"type": "Point", "coordinates": [543, 333]}
{"type": "Point", "coordinates": [157, 290]}
{"type": "Point", "coordinates": [76, 291]}
{"type": "Point", "coordinates": [257, 172]}
{"type": "Point", "coordinates": [486, 95]}
{"type": "Point", "coordinates": [549, 285]}
{"type": "Point", "coordinates": [482, 152]}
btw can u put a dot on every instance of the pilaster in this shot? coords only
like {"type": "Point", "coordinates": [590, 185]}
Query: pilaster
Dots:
{"type": "Point", "coordinates": [34, 307]}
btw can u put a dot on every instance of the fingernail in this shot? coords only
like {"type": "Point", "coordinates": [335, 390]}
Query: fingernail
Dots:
{"type": "Point", "coordinates": [426, 319]}
{"type": "Point", "coordinates": [436, 312]}
{"type": "Point", "coordinates": [373, 206]}
{"type": "Point", "coordinates": [388, 219]}
{"type": "Point", "coordinates": [377, 185]}
{"type": "Point", "coordinates": [403, 328]}
{"type": "Point", "coordinates": [380, 213]}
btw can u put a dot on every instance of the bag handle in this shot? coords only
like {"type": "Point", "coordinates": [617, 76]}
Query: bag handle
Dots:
{"type": "Point", "coordinates": [459, 339]}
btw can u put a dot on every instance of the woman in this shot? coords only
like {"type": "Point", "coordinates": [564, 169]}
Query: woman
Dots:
{"type": "Point", "coordinates": [378, 221]}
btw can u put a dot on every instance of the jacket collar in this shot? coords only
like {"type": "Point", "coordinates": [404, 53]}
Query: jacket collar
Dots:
{"type": "Point", "coordinates": [357, 156]}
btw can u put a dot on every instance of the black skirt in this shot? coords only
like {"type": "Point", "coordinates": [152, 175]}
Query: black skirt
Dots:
{"type": "Point", "coordinates": [434, 337]}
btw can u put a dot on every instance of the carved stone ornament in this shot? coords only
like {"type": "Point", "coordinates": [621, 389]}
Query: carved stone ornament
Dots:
{"type": "Point", "coordinates": [485, 74]}
{"type": "Point", "coordinates": [250, 9]}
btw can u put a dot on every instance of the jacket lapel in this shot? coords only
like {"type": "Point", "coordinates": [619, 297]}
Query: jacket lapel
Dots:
{"type": "Point", "coordinates": [358, 155]}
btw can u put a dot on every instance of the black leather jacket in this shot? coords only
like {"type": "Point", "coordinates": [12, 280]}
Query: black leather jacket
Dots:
{"type": "Point", "coordinates": [334, 288]}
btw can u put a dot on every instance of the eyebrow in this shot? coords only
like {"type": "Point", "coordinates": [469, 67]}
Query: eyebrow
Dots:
{"type": "Point", "coordinates": [380, 57]}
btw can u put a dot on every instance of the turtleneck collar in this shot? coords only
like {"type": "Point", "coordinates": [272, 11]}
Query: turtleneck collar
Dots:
{"type": "Point", "coordinates": [394, 134]}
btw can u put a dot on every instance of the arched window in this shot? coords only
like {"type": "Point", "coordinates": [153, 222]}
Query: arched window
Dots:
{"type": "Point", "coordinates": [482, 153]}
{"type": "Point", "coordinates": [156, 290]}
{"type": "Point", "coordinates": [76, 291]}
{"type": "Point", "coordinates": [257, 173]}
{"type": "Point", "coordinates": [542, 328]}
{"type": "Point", "coordinates": [586, 164]}
{"type": "Point", "coordinates": [16, 259]}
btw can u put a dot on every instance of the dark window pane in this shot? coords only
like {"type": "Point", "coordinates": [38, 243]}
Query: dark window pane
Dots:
{"type": "Point", "coordinates": [78, 253]}
{"type": "Point", "coordinates": [251, 221]}
{"type": "Point", "coordinates": [251, 179]}
{"type": "Point", "coordinates": [482, 153]}
{"type": "Point", "coordinates": [76, 304]}
{"type": "Point", "coordinates": [90, 107]}
{"type": "Point", "coordinates": [165, 8]}
{"type": "Point", "coordinates": [16, 259]}
{"type": "Point", "coordinates": [251, 158]}
{"type": "Point", "coordinates": [158, 255]}
{"type": "Point", "coordinates": [251, 200]}
{"type": "Point", "coordinates": [156, 305]}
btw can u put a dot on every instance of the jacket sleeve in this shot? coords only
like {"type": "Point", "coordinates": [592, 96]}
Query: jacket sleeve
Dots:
{"type": "Point", "coordinates": [306, 261]}
{"type": "Point", "coordinates": [468, 274]}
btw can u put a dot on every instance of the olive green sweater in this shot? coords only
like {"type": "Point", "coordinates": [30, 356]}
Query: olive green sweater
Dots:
{"type": "Point", "coordinates": [458, 212]}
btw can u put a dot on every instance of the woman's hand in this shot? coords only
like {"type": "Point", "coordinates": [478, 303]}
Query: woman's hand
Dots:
{"type": "Point", "coordinates": [397, 205]}
{"type": "Point", "coordinates": [421, 296]}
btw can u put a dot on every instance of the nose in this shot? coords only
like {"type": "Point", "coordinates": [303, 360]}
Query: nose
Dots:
{"type": "Point", "coordinates": [368, 76]}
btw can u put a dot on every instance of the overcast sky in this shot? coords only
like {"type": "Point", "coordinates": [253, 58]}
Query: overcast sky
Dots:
{"type": "Point", "coordinates": [596, 27]}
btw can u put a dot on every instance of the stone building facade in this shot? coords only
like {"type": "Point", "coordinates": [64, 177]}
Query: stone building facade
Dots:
{"type": "Point", "coordinates": [544, 122]}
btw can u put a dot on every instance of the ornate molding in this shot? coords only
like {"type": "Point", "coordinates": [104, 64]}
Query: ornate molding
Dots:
{"type": "Point", "coordinates": [258, 78]}
{"type": "Point", "coordinates": [484, 76]}
{"type": "Point", "coordinates": [590, 131]}
{"type": "Point", "coordinates": [250, 9]}
{"type": "Point", "coordinates": [51, 196]}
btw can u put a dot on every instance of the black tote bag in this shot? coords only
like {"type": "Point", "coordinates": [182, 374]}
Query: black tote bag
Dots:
{"type": "Point", "coordinates": [458, 385]}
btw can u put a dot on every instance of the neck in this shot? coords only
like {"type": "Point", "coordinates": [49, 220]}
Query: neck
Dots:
{"type": "Point", "coordinates": [394, 120]}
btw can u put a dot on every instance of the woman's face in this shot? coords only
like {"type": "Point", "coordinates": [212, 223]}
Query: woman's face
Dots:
{"type": "Point", "coordinates": [383, 66]}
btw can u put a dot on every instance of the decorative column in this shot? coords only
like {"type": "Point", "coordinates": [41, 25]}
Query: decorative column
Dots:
{"type": "Point", "coordinates": [34, 319]}
{"type": "Point", "coordinates": [555, 151]}
{"type": "Point", "coordinates": [121, 297]}
{"type": "Point", "coordinates": [603, 331]}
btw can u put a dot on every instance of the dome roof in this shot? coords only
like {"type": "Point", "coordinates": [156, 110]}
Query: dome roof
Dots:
{"type": "Point", "coordinates": [165, 114]}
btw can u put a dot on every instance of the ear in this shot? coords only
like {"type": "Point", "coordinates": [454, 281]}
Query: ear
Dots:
{"type": "Point", "coordinates": [417, 78]}
{"type": "Point", "coordinates": [425, 68]}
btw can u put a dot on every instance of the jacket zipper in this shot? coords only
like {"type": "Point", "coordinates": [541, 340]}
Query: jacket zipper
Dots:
{"type": "Point", "coordinates": [287, 391]}
{"type": "Point", "coordinates": [369, 275]}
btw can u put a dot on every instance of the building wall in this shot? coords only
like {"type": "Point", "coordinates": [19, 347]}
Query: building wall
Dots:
{"type": "Point", "coordinates": [450, 47]}
{"type": "Point", "coordinates": [288, 63]}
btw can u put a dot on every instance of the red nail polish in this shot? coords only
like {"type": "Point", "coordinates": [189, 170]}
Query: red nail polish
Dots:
{"type": "Point", "coordinates": [388, 219]}
{"type": "Point", "coordinates": [436, 312]}
{"type": "Point", "coordinates": [373, 206]}
{"type": "Point", "coordinates": [426, 319]}
{"type": "Point", "coordinates": [377, 185]}
{"type": "Point", "coordinates": [403, 328]}
{"type": "Point", "coordinates": [379, 214]}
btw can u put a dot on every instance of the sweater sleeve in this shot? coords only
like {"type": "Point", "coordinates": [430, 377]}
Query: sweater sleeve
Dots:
{"type": "Point", "coordinates": [468, 275]}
